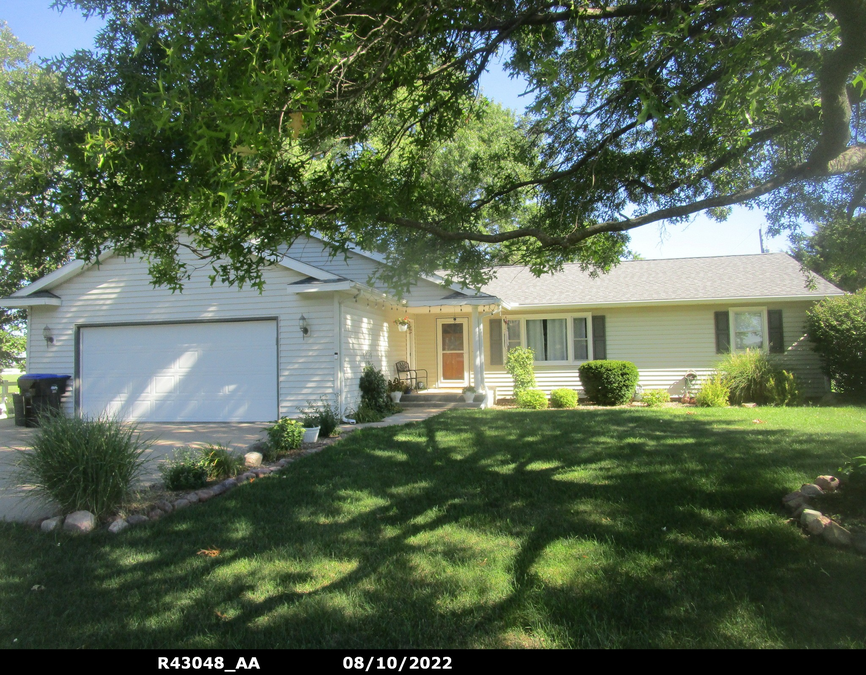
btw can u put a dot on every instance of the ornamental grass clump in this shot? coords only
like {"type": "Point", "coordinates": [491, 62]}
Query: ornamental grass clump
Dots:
{"type": "Point", "coordinates": [751, 377]}
{"type": "Point", "coordinates": [714, 393]}
{"type": "Point", "coordinates": [83, 463]}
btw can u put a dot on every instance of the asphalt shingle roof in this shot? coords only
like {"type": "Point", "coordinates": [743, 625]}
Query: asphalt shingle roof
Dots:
{"type": "Point", "coordinates": [766, 275]}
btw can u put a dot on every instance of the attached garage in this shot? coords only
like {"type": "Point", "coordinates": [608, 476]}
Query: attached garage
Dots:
{"type": "Point", "coordinates": [221, 371]}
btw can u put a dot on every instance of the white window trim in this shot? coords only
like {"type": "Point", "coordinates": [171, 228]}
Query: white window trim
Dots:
{"type": "Point", "coordinates": [569, 327]}
{"type": "Point", "coordinates": [765, 337]}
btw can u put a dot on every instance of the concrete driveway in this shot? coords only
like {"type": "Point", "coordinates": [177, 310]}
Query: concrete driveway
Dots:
{"type": "Point", "coordinates": [166, 438]}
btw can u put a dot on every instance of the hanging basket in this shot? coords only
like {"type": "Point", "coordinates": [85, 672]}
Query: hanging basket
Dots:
{"type": "Point", "coordinates": [402, 327]}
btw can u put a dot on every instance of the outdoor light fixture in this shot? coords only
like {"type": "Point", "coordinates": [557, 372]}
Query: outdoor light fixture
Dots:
{"type": "Point", "coordinates": [48, 335]}
{"type": "Point", "coordinates": [302, 324]}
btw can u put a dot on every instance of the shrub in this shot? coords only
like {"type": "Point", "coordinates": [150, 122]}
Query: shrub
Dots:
{"type": "Point", "coordinates": [531, 398]}
{"type": "Point", "coordinates": [219, 462]}
{"type": "Point", "coordinates": [520, 365]}
{"type": "Point", "coordinates": [374, 390]}
{"type": "Point", "coordinates": [284, 435]}
{"type": "Point", "coordinates": [654, 398]}
{"type": "Point", "coordinates": [365, 414]}
{"type": "Point", "coordinates": [837, 331]}
{"type": "Point", "coordinates": [854, 474]}
{"type": "Point", "coordinates": [751, 377]}
{"type": "Point", "coordinates": [83, 463]}
{"type": "Point", "coordinates": [714, 393]}
{"type": "Point", "coordinates": [323, 415]}
{"type": "Point", "coordinates": [563, 398]}
{"type": "Point", "coordinates": [609, 382]}
{"type": "Point", "coordinates": [185, 471]}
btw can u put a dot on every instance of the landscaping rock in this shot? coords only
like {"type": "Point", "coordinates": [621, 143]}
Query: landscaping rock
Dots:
{"type": "Point", "coordinates": [837, 535]}
{"type": "Point", "coordinates": [155, 514]}
{"type": "Point", "coordinates": [811, 490]}
{"type": "Point", "coordinates": [51, 524]}
{"type": "Point", "coordinates": [218, 489]}
{"type": "Point", "coordinates": [137, 519]}
{"type": "Point", "coordinates": [799, 510]}
{"type": "Point", "coordinates": [808, 516]}
{"type": "Point", "coordinates": [230, 483]}
{"type": "Point", "coordinates": [818, 525]}
{"type": "Point", "coordinates": [283, 462]}
{"type": "Point", "coordinates": [827, 483]}
{"type": "Point", "coordinates": [165, 506]}
{"type": "Point", "coordinates": [259, 446]}
{"type": "Point", "coordinates": [253, 459]}
{"type": "Point", "coordinates": [181, 504]}
{"type": "Point", "coordinates": [245, 477]}
{"type": "Point", "coordinates": [794, 501]}
{"type": "Point", "coordinates": [117, 526]}
{"type": "Point", "coordinates": [750, 405]}
{"type": "Point", "coordinates": [192, 498]}
{"type": "Point", "coordinates": [80, 522]}
{"type": "Point", "coordinates": [204, 495]}
{"type": "Point", "coordinates": [859, 541]}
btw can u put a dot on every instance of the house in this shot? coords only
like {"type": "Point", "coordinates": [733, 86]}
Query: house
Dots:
{"type": "Point", "coordinates": [219, 353]}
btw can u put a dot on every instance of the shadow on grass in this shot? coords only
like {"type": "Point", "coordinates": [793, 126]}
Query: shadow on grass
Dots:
{"type": "Point", "coordinates": [606, 528]}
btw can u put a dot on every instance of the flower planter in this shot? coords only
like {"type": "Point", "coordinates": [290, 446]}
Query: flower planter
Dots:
{"type": "Point", "coordinates": [469, 397]}
{"type": "Point", "coordinates": [311, 434]}
{"type": "Point", "coordinates": [396, 396]}
{"type": "Point", "coordinates": [402, 327]}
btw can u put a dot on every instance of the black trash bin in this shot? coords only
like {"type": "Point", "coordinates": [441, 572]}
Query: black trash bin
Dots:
{"type": "Point", "coordinates": [40, 393]}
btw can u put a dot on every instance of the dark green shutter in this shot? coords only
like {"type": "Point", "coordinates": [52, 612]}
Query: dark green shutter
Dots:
{"type": "Point", "coordinates": [776, 334]}
{"type": "Point", "coordinates": [496, 342]}
{"type": "Point", "coordinates": [723, 333]}
{"type": "Point", "coordinates": [599, 338]}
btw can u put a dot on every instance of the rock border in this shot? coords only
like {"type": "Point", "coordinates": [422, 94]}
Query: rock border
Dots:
{"type": "Point", "coordinates": [816, 523]}
{"type": "Point", "coordinates": [82, 522]}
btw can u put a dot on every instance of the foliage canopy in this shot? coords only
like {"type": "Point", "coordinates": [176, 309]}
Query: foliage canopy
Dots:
{"type": "Point", "coordinates": [243, 124]}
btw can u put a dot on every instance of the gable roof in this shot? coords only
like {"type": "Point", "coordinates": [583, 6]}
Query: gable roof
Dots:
{"type": "Point", "coordinates": [739, 277]}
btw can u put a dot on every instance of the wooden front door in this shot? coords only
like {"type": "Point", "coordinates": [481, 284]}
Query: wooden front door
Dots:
{"type": "Point", "coordinates": [453, 338]}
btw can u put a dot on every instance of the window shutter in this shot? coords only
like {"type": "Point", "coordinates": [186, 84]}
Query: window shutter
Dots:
{"type": "Point", "coordinates": [723, 333]}
{"type": "Point", "coordinates": [775, 332]}
{"type": "Point", "coordinates": [599, 338]}
{"type": "Point", "coordinates": [496, 342]}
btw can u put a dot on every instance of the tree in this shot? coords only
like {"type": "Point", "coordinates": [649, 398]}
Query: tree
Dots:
{"type": "Point", "coordinates": [837, 330]}
{"type": "Point", "coordinates": [837, 251]}
{"type": "Point", "coordinates": [34, 114]}
{"type": "Point", "coordinates": [244, 124]}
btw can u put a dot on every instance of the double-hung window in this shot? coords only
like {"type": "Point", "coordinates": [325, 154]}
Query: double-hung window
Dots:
{"type": "Point", "coordinates": [742, 328]}
{"type": "Point", "coordinates": [548, 338]}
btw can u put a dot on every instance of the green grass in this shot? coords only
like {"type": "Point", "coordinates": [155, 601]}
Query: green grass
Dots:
{"type": "Point", "coordinates": [575, 528]}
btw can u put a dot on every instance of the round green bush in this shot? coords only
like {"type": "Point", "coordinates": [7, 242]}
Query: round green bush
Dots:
{"type": "Point", "coordinates": [531, 398]}
{"type": "Point", "coordinates": [609, 382]}
{"type": "Point", "coordinates": [563, 398]}
{"type": "Point", "coordinates": [655, 398]}
{"type": "Point", "coordinates": [83, 463]}
{"type": "Point", "coordinates": [284, 435]}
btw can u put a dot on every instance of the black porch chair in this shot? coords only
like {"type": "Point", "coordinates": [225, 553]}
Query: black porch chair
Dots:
{"type": "Point", "coordinates": [404, 372]}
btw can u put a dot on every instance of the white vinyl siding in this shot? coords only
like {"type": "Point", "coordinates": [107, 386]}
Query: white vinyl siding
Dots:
{"type": "Point", "coordinates": [120, 291]}
{"type": "Point", "coordinates": [366, 333]}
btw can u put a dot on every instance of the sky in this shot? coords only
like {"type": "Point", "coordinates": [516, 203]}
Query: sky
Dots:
{"type": "Point", "coordinates": [52, 33]}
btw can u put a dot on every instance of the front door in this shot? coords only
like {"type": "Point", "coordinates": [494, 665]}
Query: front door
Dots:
{"type": "Point", "coordinates": [453, 339]}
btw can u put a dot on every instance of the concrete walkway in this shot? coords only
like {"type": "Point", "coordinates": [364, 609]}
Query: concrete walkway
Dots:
{"type": "Point", "coordinates": [15, 506]}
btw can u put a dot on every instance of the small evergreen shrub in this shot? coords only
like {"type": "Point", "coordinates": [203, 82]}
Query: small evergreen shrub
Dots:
{"type": "Point", "coordinates": [563, 398]}
{"type": "Point", "coordinates": [714, 393]}
{"type": "Point", "coordinates": [374, 390]}
{"type": "Point", "coordinates": [751, 377]}
{"type": "Point", "coordinates": [185, 471]}
{"type": "Point", "coordinates": [83, 463]}
{"type": "Point", "coordinates": [531, 398]}
{"type": "Point", "coordinates": [284, 435]}
{"type": "Point", "coordinates": [520, 365]}
{"type": "Point", "coordinates": [837, 331]}
{"type": "Point", "coordinates": [609, 382]}
{"type": "Point", "coordinates": [220, 463]}
{"type": "Point", "coordinates": [655, 398]}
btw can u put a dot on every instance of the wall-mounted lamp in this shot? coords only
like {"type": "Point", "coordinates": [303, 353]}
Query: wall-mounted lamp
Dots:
{"type": "Point", "coordinates": [48, 335]}
{"type": "Point", "coordinates": [302, 324]}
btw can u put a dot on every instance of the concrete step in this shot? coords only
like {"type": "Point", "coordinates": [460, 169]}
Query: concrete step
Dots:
{"type": "Point", "coordinates": [444, 405]}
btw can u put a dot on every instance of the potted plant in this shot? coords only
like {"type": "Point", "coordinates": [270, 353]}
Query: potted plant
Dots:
{"type": "Point", "coordinates": [469, 394]}
{"type": "Point", "coordinates": [396, 388]}
{"type": "Point", "coordinates": [311, 428]}
{"type": "Point", "coordinates": [402, 324]}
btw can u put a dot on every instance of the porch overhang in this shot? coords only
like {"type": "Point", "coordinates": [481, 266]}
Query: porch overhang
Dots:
{"type": "Point", "coordinates": [467, 301]}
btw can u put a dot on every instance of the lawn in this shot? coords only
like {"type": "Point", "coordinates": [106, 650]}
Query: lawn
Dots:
{"type": "Point", "coordinates": [476, 529]}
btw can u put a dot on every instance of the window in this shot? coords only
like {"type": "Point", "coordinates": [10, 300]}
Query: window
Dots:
{"type": "Point", "coordinates": [742, 328]}
{"type": "Point", "coordinates": [512, 334]}
{"type": "Point", "coordinates": [748, 330]}
{"type": "Point", "coordinates": [548, 338]}
{"type": "Point", "coordinates": [581, 339]}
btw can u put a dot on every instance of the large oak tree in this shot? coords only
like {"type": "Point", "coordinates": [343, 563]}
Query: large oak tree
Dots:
{"type": "Point", "coordinates": [246, 123]}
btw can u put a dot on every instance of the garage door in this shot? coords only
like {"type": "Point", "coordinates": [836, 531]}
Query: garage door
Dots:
{"type": "Point", "coordinates": [195, 372]}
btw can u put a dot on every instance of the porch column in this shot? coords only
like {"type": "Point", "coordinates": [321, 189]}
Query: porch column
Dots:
{"type": "Point", "coordinates": [478, 352]}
